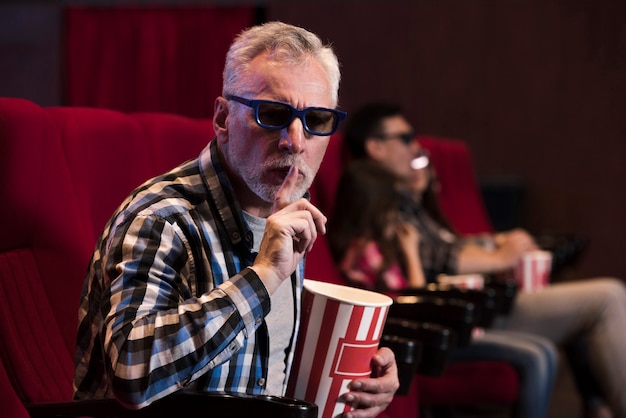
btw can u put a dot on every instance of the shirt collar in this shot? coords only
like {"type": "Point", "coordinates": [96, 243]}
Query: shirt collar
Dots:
{"type": "Point", "coordinates": [221, 190]}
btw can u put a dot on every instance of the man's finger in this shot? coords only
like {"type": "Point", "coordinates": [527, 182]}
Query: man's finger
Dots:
{"type": "Point", "coordinates": [289, 183]}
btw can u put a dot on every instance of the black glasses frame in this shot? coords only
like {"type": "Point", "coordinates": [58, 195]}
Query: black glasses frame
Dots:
{"type": "Point", "coordinates": [295, 113]}
{"type": "Point", "coordinates": [407, 138]}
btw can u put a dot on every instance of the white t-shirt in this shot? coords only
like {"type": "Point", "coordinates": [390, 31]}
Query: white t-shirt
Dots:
{"type": "Point", "coordinates": [280, 320]}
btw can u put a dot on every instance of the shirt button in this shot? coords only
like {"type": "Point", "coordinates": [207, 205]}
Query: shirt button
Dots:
{"type": "Point", "coordinates": [235, 235]}
{"type": "Point", "coordinates": [258, 321]}
{"type": "Point", "coordinates": [261, 382]}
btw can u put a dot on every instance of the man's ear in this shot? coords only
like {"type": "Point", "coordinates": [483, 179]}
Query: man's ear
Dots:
{"type": "Point", "coordinates": [220, 114]}
{"type": "Point", "coordinates": [373, 148]}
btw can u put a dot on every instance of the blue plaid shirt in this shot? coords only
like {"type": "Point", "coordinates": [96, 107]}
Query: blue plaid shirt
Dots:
{"type": "Point", "coordinates": [168, 302]}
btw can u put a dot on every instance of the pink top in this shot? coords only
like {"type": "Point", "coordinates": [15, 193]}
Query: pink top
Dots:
{"type": "Point", "coordinates": [362, 266]}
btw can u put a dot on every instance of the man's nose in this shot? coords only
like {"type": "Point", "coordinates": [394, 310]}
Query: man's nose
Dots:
{"type": "Point", "coordinates": [293, 137]}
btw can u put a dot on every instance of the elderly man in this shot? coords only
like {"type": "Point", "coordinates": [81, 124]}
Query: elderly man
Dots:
{"type": "Point", "coordinates": [196, 280]}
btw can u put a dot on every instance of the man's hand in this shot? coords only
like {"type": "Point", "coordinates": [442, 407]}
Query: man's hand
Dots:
{"type": "Point", "coordinates": [290, 232]}
{"type": "Point", "coordinates": [371, 396]}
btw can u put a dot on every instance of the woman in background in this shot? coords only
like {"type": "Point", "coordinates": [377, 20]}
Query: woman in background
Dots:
{"type": "Point", "coordinates": [375, 245]}
{"type": "Point", "coordinates": [590, 314]}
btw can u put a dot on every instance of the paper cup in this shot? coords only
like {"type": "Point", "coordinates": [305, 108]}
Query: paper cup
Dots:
{"type": "Point", "coordinates": [532, 272]}
{"type": "Point", "coordinates": [339, 333]}
{"type": "Point", "coordinates": [462, 281]}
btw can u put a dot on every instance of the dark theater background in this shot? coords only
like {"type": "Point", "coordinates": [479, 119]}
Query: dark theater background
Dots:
{"type": "Point", "coordinates": [537, 88]}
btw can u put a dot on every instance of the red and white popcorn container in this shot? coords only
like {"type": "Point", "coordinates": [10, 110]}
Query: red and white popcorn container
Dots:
{"type": "Point", "coordinates": [532, 272]}
{"type": "Point", "coordinates": [339, 333]}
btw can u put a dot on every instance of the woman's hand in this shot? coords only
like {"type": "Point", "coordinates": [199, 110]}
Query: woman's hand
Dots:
{"type": "Point", "coordinates": [513, 244]}
{"type": "Point", "coordinates": [410, 245]}
{"type": "Point", "coordinates": [408, 236]}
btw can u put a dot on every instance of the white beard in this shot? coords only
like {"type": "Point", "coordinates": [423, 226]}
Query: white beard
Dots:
{"type": "Point", "coordinates": [267, 192]}
{"type": "Point", "coordinates": [252, 174]}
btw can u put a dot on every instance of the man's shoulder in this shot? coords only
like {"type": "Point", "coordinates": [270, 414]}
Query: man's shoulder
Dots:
{"type": "Point", "coordinates": [179, 190]}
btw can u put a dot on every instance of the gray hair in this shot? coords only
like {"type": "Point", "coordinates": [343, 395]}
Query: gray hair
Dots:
{"type": "Point", "coordinates": [285, 43]}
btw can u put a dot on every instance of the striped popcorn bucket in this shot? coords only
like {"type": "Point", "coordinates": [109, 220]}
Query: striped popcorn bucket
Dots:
{"type": "Point", "coordinates": [339, 333]}
{"type": "Point", "coordinates": [532, 272]}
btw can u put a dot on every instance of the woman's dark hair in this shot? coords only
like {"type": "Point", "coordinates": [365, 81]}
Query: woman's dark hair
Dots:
{"type": "Point", "coordinates": [368, 198]}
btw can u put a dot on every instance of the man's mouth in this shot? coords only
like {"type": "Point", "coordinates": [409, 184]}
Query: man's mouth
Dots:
{"type": "Point", "coordinates": [280, 173]}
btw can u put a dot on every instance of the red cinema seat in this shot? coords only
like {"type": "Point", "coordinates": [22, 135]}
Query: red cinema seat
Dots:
{"type": "Point", "coordinates": [63, 171]}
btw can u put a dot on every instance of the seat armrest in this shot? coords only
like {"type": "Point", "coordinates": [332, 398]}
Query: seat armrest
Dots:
{"type": "Point", "coordinates": [485, 300]}
{"type": "Point", "coordinates": [566, 249]}
{"type": "Point", "coordinates": [437, 342]}
{"type": "Point", "coordinates": [453, 313]}
{"type": "Point", "coordinates": [184, 404]}
{"type": "Point", "coordinates": [408, 354]}
{"type": "Point", "coordinates": [506, 292]}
